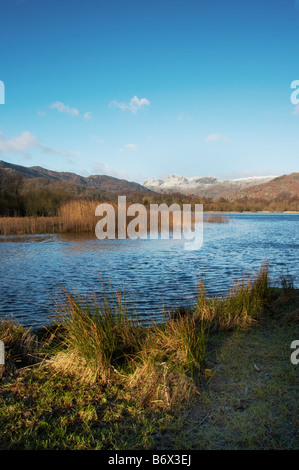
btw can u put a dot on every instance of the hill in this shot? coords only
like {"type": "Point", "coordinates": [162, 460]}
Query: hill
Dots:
{"type": "Point", "coordinates": [282, 187]}
{"type": "Point", "coordinates": [36, 177]}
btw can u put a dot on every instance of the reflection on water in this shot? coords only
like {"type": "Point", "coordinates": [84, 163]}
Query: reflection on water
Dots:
{"type": "Point", "coordinates": [33, 268]}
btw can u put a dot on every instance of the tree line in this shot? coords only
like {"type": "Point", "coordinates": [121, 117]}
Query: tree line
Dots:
{"type": "Point", "coordinates": [16, 200]}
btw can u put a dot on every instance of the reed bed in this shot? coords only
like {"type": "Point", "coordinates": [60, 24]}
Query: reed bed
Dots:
{"type": "Point", "coordinates": [29, 225]}
{"type": "Point", "coordinates": [79, 216]}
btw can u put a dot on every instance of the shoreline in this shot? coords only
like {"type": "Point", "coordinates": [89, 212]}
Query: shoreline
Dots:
{"type": "Point", "coordinates": [55, 224]}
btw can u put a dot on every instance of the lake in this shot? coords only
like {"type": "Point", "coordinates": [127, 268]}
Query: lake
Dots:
{"type": "Point", "coordinates": [157, 273]}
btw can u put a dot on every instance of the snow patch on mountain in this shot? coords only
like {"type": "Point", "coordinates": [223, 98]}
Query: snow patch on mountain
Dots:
{"type": "Point", "coordinates": [197, 183]}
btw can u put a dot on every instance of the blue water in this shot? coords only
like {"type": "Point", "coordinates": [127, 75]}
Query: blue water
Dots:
{"type": "Point", "coordinates": [34, 268]}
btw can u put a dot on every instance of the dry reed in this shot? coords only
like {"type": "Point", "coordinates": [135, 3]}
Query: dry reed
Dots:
{"type": "Point", "coordinates": [79, 216]}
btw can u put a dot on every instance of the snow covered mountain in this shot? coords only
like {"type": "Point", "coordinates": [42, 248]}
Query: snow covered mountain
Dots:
{"type": "Point", "coordinates": [208, 186]}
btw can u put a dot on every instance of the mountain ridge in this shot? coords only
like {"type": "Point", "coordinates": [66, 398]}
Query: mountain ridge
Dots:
{"type": "Point", "coordinates": [205, 186]}
{"type": "Point", "coordinates": [38, 176]}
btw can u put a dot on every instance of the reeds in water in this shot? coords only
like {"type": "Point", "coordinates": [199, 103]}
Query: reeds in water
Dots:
{"type": "Point", "coordinates": [79, 216]}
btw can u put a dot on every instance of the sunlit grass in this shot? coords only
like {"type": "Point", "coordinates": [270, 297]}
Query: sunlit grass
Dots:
{"type": "Point", "coordinates": [105, 380]}
{"type": "Point", "coordinates": [244, 304]}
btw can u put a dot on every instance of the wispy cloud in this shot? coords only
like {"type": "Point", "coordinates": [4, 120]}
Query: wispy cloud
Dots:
{"type": "Point", "coordinates": [216, 137]}
{"type": "Point", "coordinates": [26, 141]}
{"type": "Point", "coordinates": [62, 153]}
{"type": "Point", "coordinates": [66, 109]}
{"type": "Point", "coordinates": [18, 144]}
{"type": "Point", "coordinates": [133, 106]}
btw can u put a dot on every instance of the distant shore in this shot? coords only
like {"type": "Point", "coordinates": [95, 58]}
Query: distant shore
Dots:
{"type": "Point", "coordinates": [75, 219]}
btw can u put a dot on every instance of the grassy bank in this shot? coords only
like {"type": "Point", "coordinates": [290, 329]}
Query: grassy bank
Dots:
{"type": "Point", "coordinates": [216, 376]}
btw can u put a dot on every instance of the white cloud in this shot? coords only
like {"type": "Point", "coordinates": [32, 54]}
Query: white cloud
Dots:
{"type": "Point", "coordinates": [216, 137]}
{"type": "Point", "coordinates": [18, 144]}
{"type": "Point", "coordinates": [133, 106]}
{"type": "Point", "coordinates": [64, 108]}
{"type": "Point", "coordinates": [63, 153]}
{"type": "Point", "coordinates": [26, 141]}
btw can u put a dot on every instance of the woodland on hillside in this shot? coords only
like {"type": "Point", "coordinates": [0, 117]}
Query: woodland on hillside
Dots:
{"type": "Point", "coordinates": [17, 200]}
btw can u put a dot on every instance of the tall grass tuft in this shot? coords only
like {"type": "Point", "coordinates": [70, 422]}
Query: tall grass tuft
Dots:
{"type": "Point", "coordinates": [100, 335]}
{"type": "Point", "coordinates": [104, 342]}
{"type": "Point", "coordinates": [243, 305]}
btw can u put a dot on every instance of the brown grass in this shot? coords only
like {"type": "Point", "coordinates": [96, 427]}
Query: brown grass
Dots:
{"type": "Point", "coordinates": [29, 225]}
{"type": "Point", "coordinates": [79, 216]}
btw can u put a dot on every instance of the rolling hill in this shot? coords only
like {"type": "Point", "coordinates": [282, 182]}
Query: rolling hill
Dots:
{"type": "Point", "coordinates": [282, 187]}
{"type": "Point", "coordinates": [36, 177]}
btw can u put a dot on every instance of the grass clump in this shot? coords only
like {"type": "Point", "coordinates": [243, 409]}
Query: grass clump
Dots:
{"type": "Point", "coordinates": [167, 369]}
{"type": "Point", "coordinates": [243, 306]}
{"type": "Point", "coordinates": [104, 342]}
{"type": "Point", "coordinates": [99, 335]}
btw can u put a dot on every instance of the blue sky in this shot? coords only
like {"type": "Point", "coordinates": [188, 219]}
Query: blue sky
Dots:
{"type": "Point", "coordinates": [145, 88]}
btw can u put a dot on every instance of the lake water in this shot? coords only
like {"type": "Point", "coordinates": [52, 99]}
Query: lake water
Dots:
{"type": "Point", "coordinates": [157, 272]}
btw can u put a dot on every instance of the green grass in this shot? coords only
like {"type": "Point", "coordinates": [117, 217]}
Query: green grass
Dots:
{"type": "Point", "coordinates": [215, 377]}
